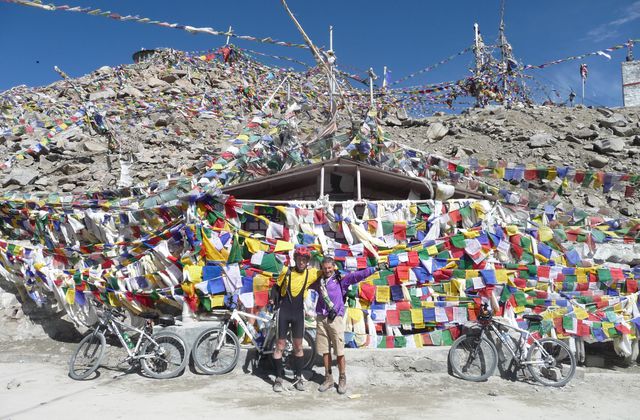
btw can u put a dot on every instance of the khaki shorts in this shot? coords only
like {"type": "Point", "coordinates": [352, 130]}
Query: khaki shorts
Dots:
{"type": "Point", "coordinates": [330, 334]}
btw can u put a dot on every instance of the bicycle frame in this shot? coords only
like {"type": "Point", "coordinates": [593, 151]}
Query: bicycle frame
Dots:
{"type": "Point", "coordinates": [524, 339]}
{"type": "Point", "coordinates": [116, 328]}
{"type": "Point", "coordinates": [239, 317]}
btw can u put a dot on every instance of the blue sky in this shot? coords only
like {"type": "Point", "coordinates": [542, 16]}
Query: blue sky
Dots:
{"type": "Point", "coordinates": [403, 35]}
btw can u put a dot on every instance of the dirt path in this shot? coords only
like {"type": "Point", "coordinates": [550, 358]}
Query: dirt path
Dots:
{"type": "Point", "coordinates": [34, 385]}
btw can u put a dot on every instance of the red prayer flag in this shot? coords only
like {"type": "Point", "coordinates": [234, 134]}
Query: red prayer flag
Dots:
{"type": "Point", "coordinates": [393, 318]}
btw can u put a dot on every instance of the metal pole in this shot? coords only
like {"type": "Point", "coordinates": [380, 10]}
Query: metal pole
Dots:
{"type": "Point", "coordinates": [372, 77]}
{"type": "Point", "coordinates": [583, 80]}
{"type": "Point", "coordinates": [321, 182]}
{"type": "Point", "coordinates": [228, 35]}
{"type": "Point", "coordinates": [331, 62]}
{"type": "Point", "coordinates": [384, 81]}
{"type": "Point", "coordinates": [359, 183]}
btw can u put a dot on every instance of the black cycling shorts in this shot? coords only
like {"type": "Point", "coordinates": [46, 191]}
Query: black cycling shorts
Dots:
{"type": "Point", "coordinates": [291, 317]}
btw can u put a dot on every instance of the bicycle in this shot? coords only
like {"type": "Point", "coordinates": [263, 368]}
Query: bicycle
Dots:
{"type": "Point", "coordinates": [215, 356]}
{"type": "Point", "coordinates": [161, 355]}
{"type": "Point", "coordinates": [474, 357]}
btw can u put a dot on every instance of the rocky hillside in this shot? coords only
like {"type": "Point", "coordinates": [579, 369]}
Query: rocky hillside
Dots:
{"type": "Point", "coordinates": [167, 114]}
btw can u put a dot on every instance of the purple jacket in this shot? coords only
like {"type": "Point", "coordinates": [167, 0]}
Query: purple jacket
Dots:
{"type": "Point", "coordinates": [337, 290]}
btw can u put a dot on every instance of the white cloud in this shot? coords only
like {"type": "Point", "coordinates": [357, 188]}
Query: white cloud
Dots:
{"type": "Point", "coordinates": [611, 29]}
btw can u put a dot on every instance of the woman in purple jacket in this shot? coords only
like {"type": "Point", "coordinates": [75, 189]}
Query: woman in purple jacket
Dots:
{"type": "Point", "coordinates": [330, 318]}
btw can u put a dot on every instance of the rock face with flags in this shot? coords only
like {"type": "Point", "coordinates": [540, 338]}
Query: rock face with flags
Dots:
{"type": "Point", "coordinates": [112, 193]}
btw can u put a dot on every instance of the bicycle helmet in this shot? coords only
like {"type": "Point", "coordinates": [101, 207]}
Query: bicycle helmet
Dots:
{"type": "Point", "coordinates": [485, 314]}
{"type": "Point", "coordinates": [302, 251]}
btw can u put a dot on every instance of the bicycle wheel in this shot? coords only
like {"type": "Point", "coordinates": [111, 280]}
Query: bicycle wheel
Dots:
{"type": "Point", "coordinates": [308, 350]}
{"type": "Point", "coordinates": [87, 356]}
{"type": "Point", "coordinates": [166, 359]}
{"type": "Point", "coordinates": [473, 358]}
{"type": "Point", "coordinates": [211, 361]}
{"type": "Point", "coordinates": [551, 362]}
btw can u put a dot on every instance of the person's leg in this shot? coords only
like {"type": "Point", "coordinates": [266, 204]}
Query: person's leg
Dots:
{"type": "Point", "coordinates": [342, 365]}
{"type": "Point", "coordinates": [337, 337]}
{"type": "Point", "coordinates": [281, 342]}
{"type": "Point", "coordinates": [324, 349]}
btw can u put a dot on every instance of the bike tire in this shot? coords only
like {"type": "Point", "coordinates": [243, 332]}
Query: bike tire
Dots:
{"type": "Point", "coordinates": [165, 360]}
{"type": "Point", "coordinates": [462, 359]}
{"type": "Point", "coordinates": [556, 370]}
{"type": "Point", "coordinates": [308, 350]}
{"type": "Point", "coordinates": [211, 362]}
{"type": "Point", "coordinates": [92, 347]}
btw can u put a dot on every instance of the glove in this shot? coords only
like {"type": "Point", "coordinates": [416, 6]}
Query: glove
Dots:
{"type": "Point", "coordinates": [383, 266]}
{"type": "Point", "coordinates": [332, 315]}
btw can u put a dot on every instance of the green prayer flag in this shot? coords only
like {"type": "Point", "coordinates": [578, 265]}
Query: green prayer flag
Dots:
{"type": "Point", "coordinates": [399, 341]}
{"type": "Point", "coordinates": [405, 317]}
{"type": "Point", "coordinates": [447, 339]}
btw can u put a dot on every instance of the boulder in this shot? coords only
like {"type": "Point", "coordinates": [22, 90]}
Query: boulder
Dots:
{"type": "Point", "coordinates": [625, 131]}
{"type": "Point", "coordinates": [598, 162]}
{"type": "Point", "coordinates": [609, 145]}
{"type": "Point", "coordinates": [585, 133]}
{"type": "Point", "coordinates": [541, 140]}
{"type": "Point", "coordinates": [130, 91]}
{"type": "Point", "coordinates": [615, 120]}
{"type": "Point", "coordinates": [102, 94]}
{"type": "Point", "coordinates": [436, 131]}
{"type": "Point", "coordinates": [94, 147]}
{"type": "Point", "coordinates": [154, 82]}
{"type": "Point", "coordinates": [20, 176]}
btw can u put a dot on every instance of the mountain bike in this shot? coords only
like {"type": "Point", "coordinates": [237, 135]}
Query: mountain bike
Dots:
{"type": "Point", "coordinates": [474, 357]}
{"type": "Point", "coordinates": [161, 355]}
{"type": "Point", "coordinates": [216, 350]}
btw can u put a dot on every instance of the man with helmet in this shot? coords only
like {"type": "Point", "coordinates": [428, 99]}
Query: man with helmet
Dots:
{"type": "Point", "coordinates": [290, 289]}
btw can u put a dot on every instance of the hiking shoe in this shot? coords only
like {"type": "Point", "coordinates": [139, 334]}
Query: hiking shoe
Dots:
{"type": "Point", "coordinates": [327, 384]}
{"type": "Point", "coordinates": [342, 384]}
{"type": "Point", "coordinates": [277, 385]}
{"type": "Point", "coordinates": [299, 383]}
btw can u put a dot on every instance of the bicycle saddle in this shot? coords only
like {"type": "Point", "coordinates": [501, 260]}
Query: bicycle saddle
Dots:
{"type": "Point", "coordinates": [149, 315]}
{"type": "Point", "coordinates": [166, 320]}
{"type": "Point", "coordinates": [532, 317]}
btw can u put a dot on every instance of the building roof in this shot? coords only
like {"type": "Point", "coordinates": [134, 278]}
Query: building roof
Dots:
{"type": "Point", "coordinates": [344, 179]}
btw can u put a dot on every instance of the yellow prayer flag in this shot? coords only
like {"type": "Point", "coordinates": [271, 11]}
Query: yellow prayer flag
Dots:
{"type": "Point", "coordinates": [283, 246]}
{"type": "Point", "coordinates": [383, 294]}
{"type": "Point", "coordinates": [432, 250]}
{"type": "Point", "coordinates": [113, 299]}
{"type": "Point", "coordinates": [255, 245]}
{"type": "Point", "coordinates": [260, 283]}
{"type": "Point", "coordinates": [470, 234]}
{"type": "Point", "coordinates": [355, 314]}
{"type": "Point", "coordinates": [417, 316]}
{"type": "Point", "coordinates": [211, 252]}
{"type": "Point", "coordinates": [580, 313]}
{"type": "Point", "coordinates": [428, 304]}
{"type": "Point", "coordinates": [194, 272]}
{"type": "Point", "coordinates": [512, 230]}
{"type": "Point", "coordinates": [546, 234]}
{"type": "Point", "coordinates": [188, 288]}
{"type": "Point", "coordinates": [471, 274]}
{"type": "Point", "coordinates": [502, 276]}
{"type": "Point", "coordinates": [71, 296]}
{"type": "Point", "coordinates": [217, 301]}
